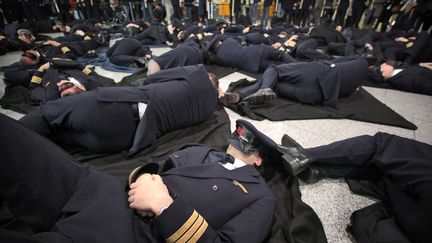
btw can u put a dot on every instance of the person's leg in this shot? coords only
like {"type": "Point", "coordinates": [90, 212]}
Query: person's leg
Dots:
{"type": "Point", "coordinates": [126, 52]}
{"type": "Point", "coordinates": [347, 158]}
{"type": "Point", "coordinates": [37, 183]}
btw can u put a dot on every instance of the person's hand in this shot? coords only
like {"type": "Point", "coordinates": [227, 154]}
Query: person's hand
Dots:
{"type": "Point", "coordinates": [80, 32]}
{"type": "Point", "coordinates": [148, 195]}
{"type": "Point", "coordinates": [44, 67]}
{"type": "Point", "coordinates": [170, 28]}
{"type": "Point", "coordinates": [426, 65]}
{"type": "Point", "coordinates": [277, 45]}
{"type": "Point", "coordinates": [221, 93]}
{"type": "Point", "coordinates": [51, 43]}
{"type": "Point", "coordinates": [293, 38]}
{"type": "Point", "coordinates": [401, 39]}
{"type": "Point", "coordinates": [132, 25]}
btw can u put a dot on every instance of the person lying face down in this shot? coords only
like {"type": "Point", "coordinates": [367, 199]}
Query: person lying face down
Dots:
{"type": "Point", "coordinates": [163, 198]}
{"type": "Point", "coordinates": [112, 119]}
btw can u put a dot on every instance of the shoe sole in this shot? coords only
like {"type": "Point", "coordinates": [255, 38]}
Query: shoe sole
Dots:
{"type": "Point", "coordinates": [265, 99]}
{"type": "Point", "coordinates": [230, 99]}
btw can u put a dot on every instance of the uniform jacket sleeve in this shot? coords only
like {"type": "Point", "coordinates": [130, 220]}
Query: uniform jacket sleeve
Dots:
{"type": "Point", "coordinates": [181, 222]}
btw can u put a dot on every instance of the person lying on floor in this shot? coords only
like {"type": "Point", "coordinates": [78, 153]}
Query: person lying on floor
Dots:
{"type": "Point", "coordinates": [181, 199]}
{"type": "Point", "coordinates": [112, 119]}
{"type": "Point", "coordinates": [411, 78]}
{"type": "Point", "coordinates": [61, 78]}
{"type": "Point", "coordinates": [315, 83]}
{"type": "Point", "coordinates": [401, 166]}
{"type": "Point", "coordinates": [252, 58]}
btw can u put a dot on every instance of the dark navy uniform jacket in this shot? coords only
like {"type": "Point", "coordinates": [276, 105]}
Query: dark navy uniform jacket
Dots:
{"type": "Point", "coordinates": [43, 86]}
{"type": "Point", "coordinates": [79, 204]}
{"type": "Point", "coordinates": [318, 82]}
{"type": "Point", "coordinates": [167, 107]}
{"type": "Point", "coordinates": [188, 53]}
{"type": "Point", "coordinates": [413, 79]}
{"type": "Point", "coordinates": [232, 54]}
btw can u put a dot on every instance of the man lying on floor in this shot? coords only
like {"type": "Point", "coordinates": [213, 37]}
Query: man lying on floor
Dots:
{"type": "Point", "coordinates": [399, 171]}
{"type": "Point", "coordinates": [112, 119]}
{"type": "Point", "coordinates": [196, 195]}
{"type": "Point", "coordinates": [59, 78]}
{"type": "Point", "coordinates": [318, 82]}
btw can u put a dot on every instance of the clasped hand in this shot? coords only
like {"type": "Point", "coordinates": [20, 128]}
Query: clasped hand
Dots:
{"type": "Point", "coordinates": [148, 195]}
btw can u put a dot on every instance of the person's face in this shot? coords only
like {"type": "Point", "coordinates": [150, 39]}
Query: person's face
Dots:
{"type": "Point", "coordinates": [30, 57]}
{"type": "Point", "coordinates": [28, 39]}
{"type": "Point", "coordinates": [386, 71]}
{"type": "Point", "coordinates": [67, 88]}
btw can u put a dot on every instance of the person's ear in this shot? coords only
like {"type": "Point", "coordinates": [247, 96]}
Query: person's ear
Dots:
{"type": "Point", "coordinates": [258, 160]}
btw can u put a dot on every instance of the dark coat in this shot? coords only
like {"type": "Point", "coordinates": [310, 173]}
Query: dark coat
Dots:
{"type": "Point", "coordinates": [176, 98]}
{"type": "Point", "coordinates": [89, 206]}
{"type": "Point", "coordinates": [185, 54]}
{"type": "Point", "coordinates": [232, 54]}
{"type": "Point", "coordinates": [318, 82]}
{"type": "Point", "coordinates": [43, 86]}
{"type": "Point", "coordinates": [413, 79]}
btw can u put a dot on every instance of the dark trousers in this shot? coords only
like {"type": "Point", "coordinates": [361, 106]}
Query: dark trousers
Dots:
{"type": "Point", "coordinates": [82, 120]}
{"type": "Point", "coordinates": [271, 56]}
{"type": "Point", "coordinates": [404, 166]}
{"type": "Point", "coordinates": [126, 52]}
{"type": "Point", "coordinates": [370, 157]}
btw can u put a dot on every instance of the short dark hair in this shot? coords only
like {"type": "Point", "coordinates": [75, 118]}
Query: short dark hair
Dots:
{"type": "Point", "coordinates": [215, 80]}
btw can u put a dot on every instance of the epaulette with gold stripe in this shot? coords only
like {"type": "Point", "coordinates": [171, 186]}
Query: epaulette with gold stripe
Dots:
{"type": "Point", "coordinates": [87, 37]}
{"type": "Point", "coordinates": [86, 70]}
{"type": "Point", "coordinates": [291, 43]}
{"type": "Point", "coordinates": [65, 49]}
{"type": "Point", "coordinates": [36, 80]}
{"type": "Point", "coordinates": [409, 44]}
{"type": "Point", "coordinates": [2, 37]}
{"type": "Point", "coordinates": [191, 230]}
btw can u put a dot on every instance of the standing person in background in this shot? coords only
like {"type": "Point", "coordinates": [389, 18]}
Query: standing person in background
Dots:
{"type": "Point", "coordinates": [305, 11]}
{"type": "Point", "coordinates": [265, 12]}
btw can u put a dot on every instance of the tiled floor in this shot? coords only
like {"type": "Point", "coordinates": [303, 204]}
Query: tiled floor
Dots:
{"type": "Point", "coordinates": [331, 199]}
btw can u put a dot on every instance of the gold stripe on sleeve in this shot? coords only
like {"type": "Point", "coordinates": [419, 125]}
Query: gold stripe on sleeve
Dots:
{"type": "Point", "coordinates": [36, 80]}
{"type": "Point", "coordinates": [65, 49]}
{"type": "Point", "coordinates": [199, 232]}
{"type": "Point", "coordinates": [86, 71]}
{"type": "Point", "coordinates": [174, 237]}
{"type": "Point", "coordinates": [191, 231]}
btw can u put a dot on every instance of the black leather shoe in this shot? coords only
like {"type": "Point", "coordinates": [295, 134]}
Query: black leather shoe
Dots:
{"type": "Point", "coordinates": [288, 141]}
{"type": "Point", "coordinates": [261, 97]}
{"type": "Point", "coordinates": [295, 161]}
{"type": "Point", "coordinates": [311, 175]}
{"type": "Point", "coordinates": [230, 98]}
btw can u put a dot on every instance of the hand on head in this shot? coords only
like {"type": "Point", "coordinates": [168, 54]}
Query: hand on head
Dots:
{"type": "Point", "coordinates": [149, 195]}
